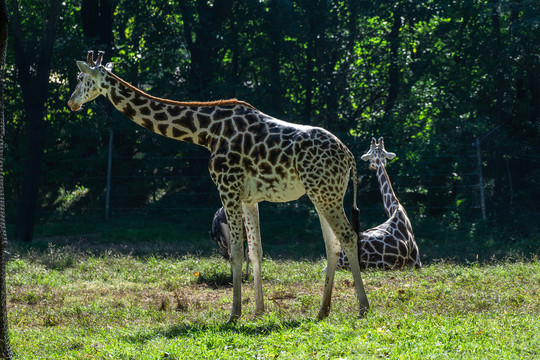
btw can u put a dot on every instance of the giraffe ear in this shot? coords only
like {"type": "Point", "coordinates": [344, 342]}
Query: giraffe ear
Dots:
{"type": "Point", "coordinates": [389, 155]}
{"type": "Point", "coordinates": [109, 66]}
{"type": "Point", "coordinates": [366, 157]}
{"type": "Point", "coordinates": [85, 68]}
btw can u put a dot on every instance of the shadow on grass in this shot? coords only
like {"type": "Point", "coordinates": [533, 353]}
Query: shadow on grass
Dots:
{"type": "Point", "coordinates": [216, 280]}
{"type": "Point", "coordinates": [192, 330]}
{"type": "Point", "coordinates": [297, 237]}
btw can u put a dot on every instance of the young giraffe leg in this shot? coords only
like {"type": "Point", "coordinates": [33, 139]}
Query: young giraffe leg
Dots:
{"type": "Point", "coordinates": [333, 248]}
{"type": "Point", "coordinates": [233, 210]}
{"type": "Point", "coordinates": [251, 221]}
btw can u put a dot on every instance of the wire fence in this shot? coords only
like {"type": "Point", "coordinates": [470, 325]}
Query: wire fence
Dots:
{"type": "Point", "coordinates": [157, 184]}
{"type": "Point", "coordinates": [117, 180]}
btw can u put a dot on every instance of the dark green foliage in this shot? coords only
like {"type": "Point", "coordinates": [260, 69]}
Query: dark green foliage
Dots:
{"type": "Point", "coordinates": [429, 76]}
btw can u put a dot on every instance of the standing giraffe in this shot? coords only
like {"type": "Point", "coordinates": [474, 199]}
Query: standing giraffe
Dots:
{"type": "Point", "coordinates": [253, 157]}
{"type": "Point", "coordinates": [390, 245]}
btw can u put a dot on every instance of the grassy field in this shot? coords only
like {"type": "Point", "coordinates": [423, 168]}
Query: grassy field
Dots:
{"type": "Point", "coordinates": [67, 302]}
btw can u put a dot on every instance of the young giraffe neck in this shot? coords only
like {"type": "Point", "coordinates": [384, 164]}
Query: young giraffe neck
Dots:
{"type": "Point", "coordinates": [390, 200]}
{"type": "Point", "coordinates": [194, 122]}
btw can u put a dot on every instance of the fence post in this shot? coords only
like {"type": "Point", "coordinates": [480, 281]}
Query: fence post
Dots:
{"type": "Point", "coordinates": [480, 179]}
{"type": "Point", "coordinates": [109, 167]}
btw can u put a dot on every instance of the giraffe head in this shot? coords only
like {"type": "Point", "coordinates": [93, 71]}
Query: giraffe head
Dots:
{"type": "Point", "coordinates": [377, 153]}
{"type": "Point", "coordinates": [90, 79]}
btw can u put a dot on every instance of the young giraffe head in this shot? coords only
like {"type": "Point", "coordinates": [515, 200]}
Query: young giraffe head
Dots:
{"type": "Point", "coordinates": [90, 78]}
{"type": "Point", "coordinates": [377, 154]}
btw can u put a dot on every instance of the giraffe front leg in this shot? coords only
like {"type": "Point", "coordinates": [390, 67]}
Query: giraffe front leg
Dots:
{"type": "Point", "coordinates": [251, 221]}
{"type": "Point", "coordinates": [234, 218]}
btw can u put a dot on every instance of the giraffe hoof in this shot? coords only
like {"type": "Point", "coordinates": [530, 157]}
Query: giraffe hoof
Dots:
{"type": "Point", "coordinates": [258, 312]}
{"type": "Point", "coordinates": [322, 315]}
{"type": "Point", "coordinates": [364, 312]}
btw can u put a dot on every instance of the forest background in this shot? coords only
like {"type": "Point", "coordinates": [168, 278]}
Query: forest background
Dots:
{"type": "Point", "coordinates": [453, 86]}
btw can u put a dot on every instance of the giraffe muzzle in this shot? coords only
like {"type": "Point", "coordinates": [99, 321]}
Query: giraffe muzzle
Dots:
{"type": "Point", "coordinates": [73, 106]}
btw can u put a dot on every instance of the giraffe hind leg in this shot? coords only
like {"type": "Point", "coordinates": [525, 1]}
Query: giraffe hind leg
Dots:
{"type": "Point", "coordinates": [332, 252]}
{"type": "Point", "coordinates": [342, 230]}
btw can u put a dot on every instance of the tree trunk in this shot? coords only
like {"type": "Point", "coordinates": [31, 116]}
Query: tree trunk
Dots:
{"type": "Point", "coordinates": [534, 89]}
{"type": "Point", "coordinates": [200, 39]}
{"type": "Point", "coordinates": [275, 36]}
{"type": "Point", "coordinates": [34, 93]}
{"type": "Point", "coordinates": [28, 202]}
{"type": "Point", "coordinates": [97, 21]}
{"type": "Point", "coordinates": [5, 349]}
{"type": "Point", "coordinates": [500, 192]}
{"type": "Point", "coordinates": [308, 82]}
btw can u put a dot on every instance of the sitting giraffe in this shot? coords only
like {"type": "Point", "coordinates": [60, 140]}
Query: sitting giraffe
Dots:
{"type": "Point", "coordinates": [253, 157]}
{"type": "Point", "coordinates": [221, 235]}
{"type": "Point", "coordinates": [390, 245]}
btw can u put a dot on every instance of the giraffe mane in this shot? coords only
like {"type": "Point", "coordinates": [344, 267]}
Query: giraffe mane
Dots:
{"type": "Point", "coordinates": [181, 103]}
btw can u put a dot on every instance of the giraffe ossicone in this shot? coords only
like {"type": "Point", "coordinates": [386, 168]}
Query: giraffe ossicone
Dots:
{"type": "Point", "coordinates": [390, 245]}
{"type": "Point", "coordinates": [253, 157]}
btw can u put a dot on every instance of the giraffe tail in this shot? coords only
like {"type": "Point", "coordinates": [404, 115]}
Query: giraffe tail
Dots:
{"type": "Point", "coordinates": [355, 215]}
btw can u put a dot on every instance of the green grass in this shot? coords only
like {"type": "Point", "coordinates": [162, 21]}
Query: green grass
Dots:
{"type": "Point", "coordinates": [67, 303]}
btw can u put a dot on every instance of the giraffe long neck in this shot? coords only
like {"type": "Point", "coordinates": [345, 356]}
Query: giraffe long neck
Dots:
{"type": "Point", "coordinates": [389, 198]}
{"type": "Point", "coordinates": [198, 123]}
